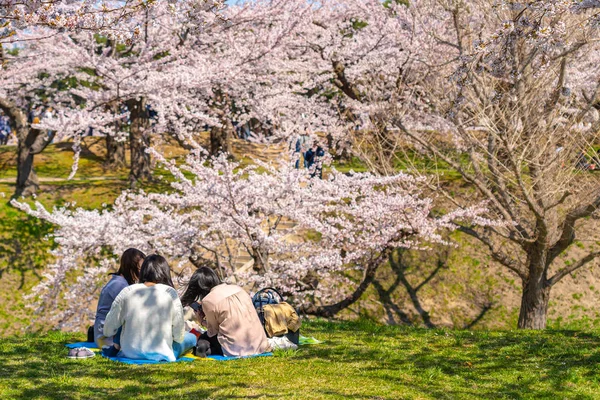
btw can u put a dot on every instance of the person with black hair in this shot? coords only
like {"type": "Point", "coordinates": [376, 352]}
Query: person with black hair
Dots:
{"type": "Point", "coordinates": [129, 269]}
{"type": "Point", "coordinates": [227, 312]}
{"type": "Point", "coordinates": [151, 316]}
{"type": "Point", "coordinates": [314, 160]}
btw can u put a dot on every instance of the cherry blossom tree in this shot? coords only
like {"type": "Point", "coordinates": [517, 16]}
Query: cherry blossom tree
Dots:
{"type": "Point", "coordinates": [217, 208]}
{"type": "Point", "coordinates": [254, 81]}
{"type": "Point", "coordinates": [107, 17]}
{"type": "Point", "coordinates": [506, 96]}
{"type": "Point", "coordinates": [127, 81]}
{"type": "Point", "coordinates": [188, 75]}
{"type": "Point", "coordinates": [29, 81]}
{"type": "Point", "coordinates": [48, 41]}
{"type": "Point", "coordinates": [504, 93]}
{"type": "Point", "coordinates": [348, 58]}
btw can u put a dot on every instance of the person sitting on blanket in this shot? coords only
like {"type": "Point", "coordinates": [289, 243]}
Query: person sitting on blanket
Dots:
{"type": "Point", "coordinates": [151, 316]}
{"type": "Point", "coordinates": [233, 327]}
{"type": "Point", "coordinates": [128, 273]}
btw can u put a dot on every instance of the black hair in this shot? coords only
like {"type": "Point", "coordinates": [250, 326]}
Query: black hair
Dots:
{"type": "Point", "coordinates": [156, 269]}
{"type": "Point", "coordinates": [200, 284]}
{"type": "Point", "coordinates": [131, 259]}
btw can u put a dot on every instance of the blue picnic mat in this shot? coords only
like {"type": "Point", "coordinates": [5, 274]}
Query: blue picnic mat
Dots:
{"type": "Point", "coordinates": [185, 358]}
{"type": "Point", "coordinates": [125, 360]}
{"type": "Point", "coordinates": [89, 345]}
{"type": "Point", "coordinates": [228, 358]}
{"type": "Point", "coordinates": [92, 346]}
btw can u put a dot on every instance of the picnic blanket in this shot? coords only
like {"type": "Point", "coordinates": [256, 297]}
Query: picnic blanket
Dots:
{"type": "Point", "coordinates": [185, 358]}
{"type": "Point", "coordinates": [228, 358]}
{"type": "Point", "coordinates": [89, 345]}
{"type": "Point", "coordinates": [126, 360]}
{"type": "Point", "coordinates": [304, 340]}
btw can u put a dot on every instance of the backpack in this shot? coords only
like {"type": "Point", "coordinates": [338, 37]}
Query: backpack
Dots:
{"type": "Point", "coordinates": [262, 298]}
{"type": "Point", "coordinates": [271, 296]}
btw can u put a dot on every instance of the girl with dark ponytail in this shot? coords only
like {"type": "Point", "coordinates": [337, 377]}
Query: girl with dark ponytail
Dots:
{"type": "Point", "coordinates": [200, 285]}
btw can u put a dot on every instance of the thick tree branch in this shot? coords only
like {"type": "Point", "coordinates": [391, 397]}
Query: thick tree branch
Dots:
{"type": "Point", "coordinates": [568, 227]}
{"type": "Point", "coordinates": [343, 83]}
{"type": "Point", "coordinates": [329, 311]}
{"type": "Point", "coordinates": [40, 141]}
{"type": "Point", "coordinates": [572, 268]}
{"type": "Point", "coordinates": [496, 253]}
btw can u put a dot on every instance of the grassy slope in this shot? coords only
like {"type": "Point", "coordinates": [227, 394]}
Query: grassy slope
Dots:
{"type": "Point", "coordinates": [57, 159]}
{"type": "Point", "coordinates": [359, 360]}
{"type": "Point", "coordinates": [454, 297]}
{"type": "Point", "coordinates": [23, 248]}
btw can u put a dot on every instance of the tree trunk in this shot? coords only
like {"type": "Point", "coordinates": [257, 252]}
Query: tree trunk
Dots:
{"type": "Point", "coordinates": [220, 140]}
{"type": "Point", "coordinates": [534, 307]}
{"type": "Point", "coordinates": [536, 293]}
{"type": "Point", "coordinates": [115, 153]}
{"type": "Point", "coordinates": [259, 265]}
{"type": "Point", "coordinates": [30, 142]}
{"type": "Point", "coordinates": [27, 180]}
{"type": "Point", "coordinates": [139, 142]}
{"type": "Point", "coordinates": [261, 261]}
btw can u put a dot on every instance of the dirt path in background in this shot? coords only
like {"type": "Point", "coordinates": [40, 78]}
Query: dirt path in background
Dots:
{"type": "Point", "coordinates": [42, 180]}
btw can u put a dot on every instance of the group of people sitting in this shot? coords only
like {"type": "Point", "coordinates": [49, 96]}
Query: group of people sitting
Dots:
{"type": "Point", "coordinates": [140, 314]}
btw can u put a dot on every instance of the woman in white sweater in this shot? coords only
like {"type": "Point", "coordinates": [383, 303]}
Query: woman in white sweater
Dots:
{"type": "Point", "coordinates": [151, 315]}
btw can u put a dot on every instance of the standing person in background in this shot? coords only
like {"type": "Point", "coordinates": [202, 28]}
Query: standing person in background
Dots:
{"type": "Point", "coordinates": [128, 273]}
{"type": "Point", "coordinates": [314, 160]}
{"type": "Point", "coordinates": [581, 161]}
{"type": "Point", "coordinates": [301, 147]}
{"type": "Point", "coordinates": [49, 114]}
{"type": "Point", "coordinates": [4, 130]}
{"type": "Point", "coordinates": [233, 327]}
{"type": "Point", "coordinates": [319, 157]}
{"type": "Point", "coordinates": [309, 157]}
{"type": "Point", "coordinates": [151, 316]}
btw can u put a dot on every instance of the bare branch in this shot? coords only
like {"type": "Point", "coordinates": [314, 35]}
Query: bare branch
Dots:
{"type": "Point", "coordinates": [496, 253]}
{"type": "Point", "coordinates": [568, 227]}
{"type": "Point", "coordinates": [572, 268]}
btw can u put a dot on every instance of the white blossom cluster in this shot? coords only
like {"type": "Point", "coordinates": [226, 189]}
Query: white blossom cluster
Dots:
{"type": "Point", "coordinates": [218, 208]}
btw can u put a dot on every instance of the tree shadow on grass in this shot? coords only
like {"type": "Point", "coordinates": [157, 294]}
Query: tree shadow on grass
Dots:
{"type": "Point", "coordinates": [356, 361]}
{"type": "Point", "coordinates": [48, 374]}
{"type": "Point", "coordinates": [463, 364]}
{"type": "Point", "coordinates": [37, 367]}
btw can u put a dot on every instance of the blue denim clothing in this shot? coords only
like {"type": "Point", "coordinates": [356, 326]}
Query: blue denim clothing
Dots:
{"type": "Point", "coordinates": [117, 338]}
{"type": "Point", "coordinates": [189, 341]}
{"type": "Point", "coordinates": [109, 292]}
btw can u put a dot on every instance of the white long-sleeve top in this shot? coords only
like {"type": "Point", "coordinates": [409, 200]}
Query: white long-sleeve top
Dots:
{"type": "Point", "coordinates": [152, 319]}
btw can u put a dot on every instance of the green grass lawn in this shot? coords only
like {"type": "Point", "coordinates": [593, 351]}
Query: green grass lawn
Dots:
{"type": "Point", "coordinates": [359, 360]}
